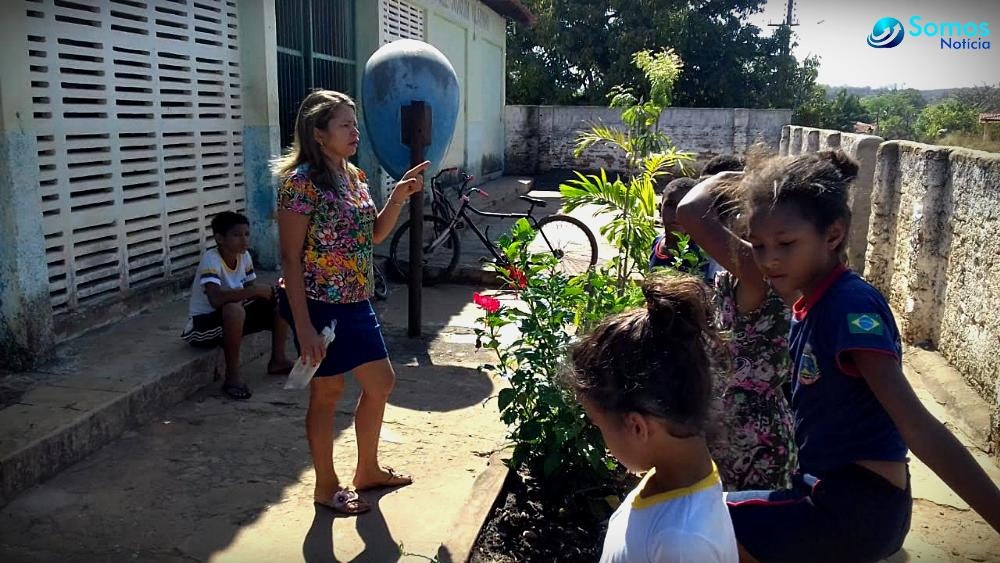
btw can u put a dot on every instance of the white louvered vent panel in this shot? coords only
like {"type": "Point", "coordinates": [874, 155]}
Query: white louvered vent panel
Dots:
{"type": "Point", "coordinates": [138, 110]}
{"type": "Point", "coordinates": [400, 20]}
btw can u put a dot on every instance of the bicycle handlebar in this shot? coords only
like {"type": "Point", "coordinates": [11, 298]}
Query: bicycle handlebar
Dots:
{"type": "Point", "coordinates": [444, 171]}
{"type": "Point", "coordinates": [465, 177]}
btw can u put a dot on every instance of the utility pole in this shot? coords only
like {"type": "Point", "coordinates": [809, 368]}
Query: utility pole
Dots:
{"type": "Point", "coordinates": [788, 24]}
{"type": "Point", "coordinates": [785, 28]}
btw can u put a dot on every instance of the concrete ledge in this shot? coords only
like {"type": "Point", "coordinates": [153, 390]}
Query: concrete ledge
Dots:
{"type": "Point", "coordinates": [966, 409]}
{"type": "Point", "coordinates": [506, 189]}
{"type": "Point", "coordinates": [470, 274]}
{"type": "Point", "coordinates": [475, 511]}
{"type": "Point", "coordinates": [98, 387]}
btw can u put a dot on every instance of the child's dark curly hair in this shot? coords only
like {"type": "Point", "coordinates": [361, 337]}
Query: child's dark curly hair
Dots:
{"type": "Point", "coordinates": [722, 163]}
{"type": "Point", "coordinates": [653, 360]}
{"type": "Point", "coordinates": [226, 220]}
{"type": "Point", "coordinates": [816, 184]}
{"type": "Point", "coordinates": [683, 184]}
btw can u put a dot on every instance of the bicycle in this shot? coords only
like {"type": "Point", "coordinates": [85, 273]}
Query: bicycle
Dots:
{"type": "Point", "coordinates": [567, 238]}
{"type": "Point", "coordinates": [381, 284]}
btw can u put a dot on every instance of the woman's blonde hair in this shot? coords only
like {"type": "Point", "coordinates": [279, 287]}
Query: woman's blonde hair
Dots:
{"type": "Point", "coordinates": [315, 112]}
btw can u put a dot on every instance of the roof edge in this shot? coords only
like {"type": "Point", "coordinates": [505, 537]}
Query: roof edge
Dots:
{"type": "Point", "coordinates": [513, 10]}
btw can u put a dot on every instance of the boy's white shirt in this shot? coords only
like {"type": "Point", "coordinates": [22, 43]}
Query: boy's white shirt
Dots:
{"type": "Point", "coordinates": [213, 269]}
{"type": "Point", "coordinates": [689, 525]}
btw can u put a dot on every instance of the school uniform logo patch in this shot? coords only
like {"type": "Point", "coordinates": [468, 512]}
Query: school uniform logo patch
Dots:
{"type": "Point", "coordinates": [808, 367]}
{"type": "Point", "coordinates": [866, 323]}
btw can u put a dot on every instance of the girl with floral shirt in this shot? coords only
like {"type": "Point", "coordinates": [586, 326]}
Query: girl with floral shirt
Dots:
{"type": "Point", "coordinates": [755, 449]}
{"type": "Point", "coordinates": [758, 446]}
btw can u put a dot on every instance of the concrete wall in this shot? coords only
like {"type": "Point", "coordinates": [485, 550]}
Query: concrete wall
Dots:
{"type": "Point", "coordinates": [926, 229]}
{"type": "Point", "coordinates": [797, 140]}
{"type": "Point", "coordinates": [261, 129]}
{"type": "Point", "coordinates": [474, 38]}
{"type": "Point", "coordinates": [934, 251]}
{"type": "Point", "coordinates": [913, 188]}
{"type": "Point", "coordinates": [969, 333]}
{"type": "Point", "coordinates": [25, 312]}
{"type": "Point", "coordinates": [542, 138]}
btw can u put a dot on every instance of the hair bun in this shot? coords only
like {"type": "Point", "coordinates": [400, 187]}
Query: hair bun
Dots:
{"type": "Point", "coordinates": [676, 306]}
{"type": "Point", "coordinates": [847, 166]}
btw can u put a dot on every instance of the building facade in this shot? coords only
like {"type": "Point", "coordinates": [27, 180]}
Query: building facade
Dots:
{"type": "Point", "coordinates": [126, 125]}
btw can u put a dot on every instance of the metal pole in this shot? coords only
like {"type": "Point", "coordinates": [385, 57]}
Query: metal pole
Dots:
{"type": "Point", "coordinates": [416, 133]}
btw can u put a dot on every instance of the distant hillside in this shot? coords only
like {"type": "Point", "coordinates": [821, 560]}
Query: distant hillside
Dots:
{"type": "Point", "coordinates": [930, 96]}
{"type": "Point", "coordinates": [983, 98]}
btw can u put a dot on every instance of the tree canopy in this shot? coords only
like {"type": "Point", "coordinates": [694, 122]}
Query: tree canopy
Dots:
{"type": "Point", "coordinates": [578, 51]}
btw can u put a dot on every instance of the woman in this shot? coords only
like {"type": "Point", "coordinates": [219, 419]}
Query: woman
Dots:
{"type": "Point", "coordinates": [328, 224]}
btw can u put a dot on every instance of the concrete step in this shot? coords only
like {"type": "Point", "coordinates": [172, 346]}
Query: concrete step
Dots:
{"type": "Point", "coordinates": [98, 386]}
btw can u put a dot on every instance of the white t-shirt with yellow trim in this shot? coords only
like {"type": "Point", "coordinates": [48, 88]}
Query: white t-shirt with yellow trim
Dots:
{"type": "Point", "coordinates": [689, 525]}
{"type": "Point", "coordinates": [213, 269]}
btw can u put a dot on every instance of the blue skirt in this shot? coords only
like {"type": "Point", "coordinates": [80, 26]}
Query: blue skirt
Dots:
{"type": "Point", "coordinates": [358, 336]}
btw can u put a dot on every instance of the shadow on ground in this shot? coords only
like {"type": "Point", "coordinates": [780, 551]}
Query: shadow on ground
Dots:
{"type": "Point", "coordinates": [223, 480]}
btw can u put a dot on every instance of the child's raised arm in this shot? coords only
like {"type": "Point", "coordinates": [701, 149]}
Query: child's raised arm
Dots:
{"type": "Point", "coordinates": [697, 214]}
{"type": "Point", "coordinates": [926, 436]}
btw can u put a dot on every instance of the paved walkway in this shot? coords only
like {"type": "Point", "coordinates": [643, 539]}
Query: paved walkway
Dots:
{"type": "Point", "coordinates": [219, 480]}
{"type": "Point", "coordinates": [943, 527]}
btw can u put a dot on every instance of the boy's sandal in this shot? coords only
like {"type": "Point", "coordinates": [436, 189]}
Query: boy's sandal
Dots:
{"type": "Point", "coordinates": [395, 479]}
{"type": "Point", "coordinates": [345, 501]}
{"type": "Point", "coordinates": [240, 391]}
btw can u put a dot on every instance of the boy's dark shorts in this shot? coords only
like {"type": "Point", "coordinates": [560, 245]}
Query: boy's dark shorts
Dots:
{"type": "Point", "coordinates": [851, 514]}
{"type": "Point", "coordinates": [205, 331]}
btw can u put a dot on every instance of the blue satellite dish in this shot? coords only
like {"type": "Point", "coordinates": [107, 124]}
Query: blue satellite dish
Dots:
{"type": "Point", "coordinates": [396, 75]}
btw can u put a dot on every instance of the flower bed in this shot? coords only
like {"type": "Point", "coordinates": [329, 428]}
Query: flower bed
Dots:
{"type": "Point", "coordinates": [563, 484]}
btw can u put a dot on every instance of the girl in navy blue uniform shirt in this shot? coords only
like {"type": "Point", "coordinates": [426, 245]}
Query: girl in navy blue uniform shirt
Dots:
{"type": "Point", "coordinates": [855, 413]}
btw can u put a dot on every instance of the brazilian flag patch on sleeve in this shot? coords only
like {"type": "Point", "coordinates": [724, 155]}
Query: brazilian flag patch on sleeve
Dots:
{"type": "Point", "coordinates": [865, 323]}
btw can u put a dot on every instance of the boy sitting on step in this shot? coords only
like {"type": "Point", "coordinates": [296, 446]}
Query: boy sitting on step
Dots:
{"type": "Point", "coordinates": [226, 305]}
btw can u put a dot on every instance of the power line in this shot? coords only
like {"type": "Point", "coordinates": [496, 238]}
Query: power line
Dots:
{"type": "Point", "coordinates": [789, 16]}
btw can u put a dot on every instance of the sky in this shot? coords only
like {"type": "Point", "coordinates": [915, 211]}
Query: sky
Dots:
{"type": "Point", "coordinates": [837, 32]}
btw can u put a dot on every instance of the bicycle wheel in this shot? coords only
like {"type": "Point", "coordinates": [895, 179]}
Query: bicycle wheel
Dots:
{"type": "Point", "coordinates": [381, 285]}
{"type": "Point", "coordinates": [439, 262]}
{"type": "Point", "coordinates": [569, 240]}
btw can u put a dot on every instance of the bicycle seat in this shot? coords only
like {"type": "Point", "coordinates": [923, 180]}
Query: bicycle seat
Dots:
{"type": "Point", "coordinates": [535, 201]}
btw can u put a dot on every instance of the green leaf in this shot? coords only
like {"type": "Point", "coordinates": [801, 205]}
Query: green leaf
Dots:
{"type": "Point", "coordinates": [508, 417]}
{"type": "Point", "coordinates": [530, 430]}
{"type": "Point", "coordinates": [505, 398]}
{"type": "Point", "coordinates": [552, 462]}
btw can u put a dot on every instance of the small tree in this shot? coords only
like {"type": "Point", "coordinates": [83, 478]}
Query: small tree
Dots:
{"type": "Point", "coordinates": [895, 113]}
{"type": "Point", "coordinates": [950, 115]}
{"type": "Point", "coordinates": [838, 113]}
{"type": "Point", "coordinates": [649, 155]}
